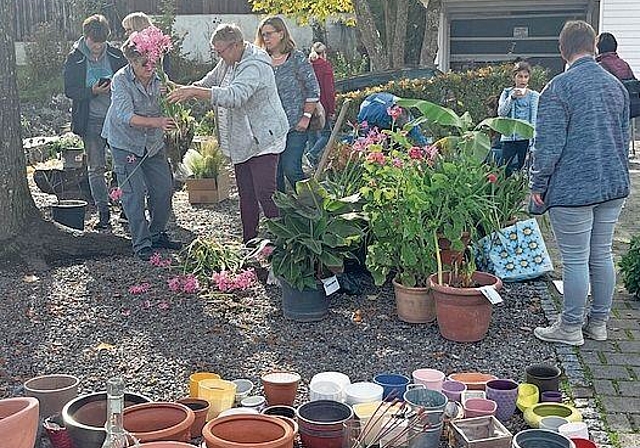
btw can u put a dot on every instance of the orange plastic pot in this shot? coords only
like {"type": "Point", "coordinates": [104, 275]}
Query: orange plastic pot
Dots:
{"type": "Point", "coordinates": [150, 422]}
{"type": "Point", "coordinates": [248, 431]}
{"type": "Point", "coordinates": [463, 305]}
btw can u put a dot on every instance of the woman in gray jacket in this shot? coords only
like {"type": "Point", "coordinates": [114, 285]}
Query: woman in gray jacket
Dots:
{"type": "Point", "coordinates": [251, 124]}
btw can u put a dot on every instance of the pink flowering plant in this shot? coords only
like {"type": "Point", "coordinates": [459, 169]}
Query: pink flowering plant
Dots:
{"type": "Point", "coordinates": [415, 196]}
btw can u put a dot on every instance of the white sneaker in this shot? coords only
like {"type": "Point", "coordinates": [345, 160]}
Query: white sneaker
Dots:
{"type": "Point", "coordinates": [596, 330]}
{"type": "Point", "coordinates": [561, 333]}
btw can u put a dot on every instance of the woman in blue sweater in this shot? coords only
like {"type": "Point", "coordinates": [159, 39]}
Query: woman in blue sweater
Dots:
{"type": "Point", "coordinates": [518, 102]}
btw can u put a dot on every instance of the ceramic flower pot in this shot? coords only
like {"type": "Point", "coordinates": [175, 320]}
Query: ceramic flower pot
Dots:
{"type": "Point", "coordinates": [545, 376]}
{"type": "Point", "coordinates": [505, 393]}
{"type": "Point", "coordinates": [473, 380]}
{"type": "Point", "coordinates": [468, 305]}
{"type": "Point", "coordinates": [52, 391]}
{"type": "Point", "coordinates": [85, 417]}
{"type": "Point", "coordinates": [156, 421]}
{"type": "Point", "coordinates": [534, 438]}
{"type": "Point", "coordinates": [321, 423]}
{"type": "Point", "coordinates": [19, 422]}
{"type": "Point", "coordinates": [535, 413]}
{"type": "Point", "coordinates": [414, 305]}
{"type": "Point", "coordinates": [200, 409]}
{"type": "Point", "coordinates": [232, 432]}
{"type": "Point", "coordinates": [528, 395]}
{"type": "Point", "coordinates": [280, 387]}
{"type": "Point", "coordinates": [479, 407]}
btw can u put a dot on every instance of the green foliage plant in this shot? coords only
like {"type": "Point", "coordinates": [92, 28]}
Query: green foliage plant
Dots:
{"type": "Point", "coordinates": [207, 162]}
{"type": "Point", "coordinates": [203, 256]}
{"type": "Point", "coordinates": [415, 196]}
{"type": "Point", "coordinates": [62, 144]}
{"type": "Point", "coordinates": [344, 67]}
{"type": "Point", "coordinates": [315, 233]}
{"type": "Point", "coordinates": [630, 267]}
{"type": "Point", "coordinates": [467, 91]}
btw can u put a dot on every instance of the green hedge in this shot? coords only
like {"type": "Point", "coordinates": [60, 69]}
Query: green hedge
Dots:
{"type": "Point", "coordinates": [471, 91]}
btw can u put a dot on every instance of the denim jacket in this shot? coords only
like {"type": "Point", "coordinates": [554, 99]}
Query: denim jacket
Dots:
{"type": "Point", "coordinates": [524, 108]}
{"type": "Point", "coordinates": [128, 98]}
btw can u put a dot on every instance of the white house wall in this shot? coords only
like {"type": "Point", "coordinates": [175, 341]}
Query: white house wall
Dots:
{"type": "Point", "coordinates": [622, 19]}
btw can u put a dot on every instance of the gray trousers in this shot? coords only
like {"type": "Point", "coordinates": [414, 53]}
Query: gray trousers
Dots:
{"type": "Point", "coordinates": [584, 236]}
{"type": "Point", "coordinates": [151, 181]}
{"type": "Point", "coordinates": [95, 149]}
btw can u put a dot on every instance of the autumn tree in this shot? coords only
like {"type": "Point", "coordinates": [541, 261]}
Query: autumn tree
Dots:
{"type": "Point", "coordinates": [382, 24]}
{"type": "Point", "coordinates": [24, 234]}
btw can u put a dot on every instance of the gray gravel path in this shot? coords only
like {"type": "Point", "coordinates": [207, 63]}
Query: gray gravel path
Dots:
{"type": "Point", "coordinates": [57, 323]}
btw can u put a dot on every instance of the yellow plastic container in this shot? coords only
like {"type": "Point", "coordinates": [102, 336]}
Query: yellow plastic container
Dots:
{"type": "Point", "coordinates": [365, 411]}
{"type": "Point", "coordinates": [220, 394]}
{"type": "Point", "coordinates": [195, 378]}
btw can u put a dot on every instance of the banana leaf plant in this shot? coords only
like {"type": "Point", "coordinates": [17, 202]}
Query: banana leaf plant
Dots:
{"type": "Point", "coordinates": [315, 233]}
{"type": "Point", "coordinates": [460, 178]}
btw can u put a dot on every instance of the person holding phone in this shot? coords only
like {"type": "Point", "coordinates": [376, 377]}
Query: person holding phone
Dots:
{"type": "Point", "coordinates": [519, 102]}
{"type": "Point", "coordinates": [87, 81]}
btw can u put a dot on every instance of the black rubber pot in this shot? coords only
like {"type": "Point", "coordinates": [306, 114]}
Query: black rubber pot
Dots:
{"type": "Point", "coordinates": [69, 213]}
{"type": "Point", "coordinates": [85, 417]}
{"type": "Point", "coordinates": [545, 376]}
{"type": "Point", "coordinates": [308, 305]}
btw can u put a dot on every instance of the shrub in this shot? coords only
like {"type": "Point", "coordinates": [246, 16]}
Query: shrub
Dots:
{"type": "Point", "coordinates": [46, 51]}
{"type": "Point", "coordinates": [470, 91]}
{"type": "Point", "coordinates": [630, 267]}
{"type": "Point", "coordinates": [343, 66]}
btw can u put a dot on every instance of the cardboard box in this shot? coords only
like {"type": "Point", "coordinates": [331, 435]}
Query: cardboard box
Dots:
{"type": "Point", "coordinates": [209, 191]}
{"type": "Point", "coordinates": [479, 432]}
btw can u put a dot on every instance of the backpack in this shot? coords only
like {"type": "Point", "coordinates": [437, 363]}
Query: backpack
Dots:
{"type": "Point", "coordinates": [633, 87]}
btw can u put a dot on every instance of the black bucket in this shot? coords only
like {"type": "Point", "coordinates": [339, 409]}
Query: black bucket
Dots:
{"type": "Point", "coordinates": [69, 213]}
{"type": "Point", "coordinates": [545, 376]}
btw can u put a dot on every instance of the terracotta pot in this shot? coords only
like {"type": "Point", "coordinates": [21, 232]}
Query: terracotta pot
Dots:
{"type": "Point", "coordinates": [85, 417]}
{"type": "Point", "coordinates": [473, 380]}
{"type": "Point", "coordinates": [414, 305]}
{"type": "Point", "coordinates": [449, 256]}
{"type": "Point", "coordinates": [150, 422]}
{"type": "Point", "coordinates": [233, 432]}
{"type": "Point", "coordinates": [463, 305]}
{"type": "Point", "coordinates": [280, 387]}
{"type": "Point", "coordinates": [200, 408]}
{"type": "Point", "coordinates": [19, 422]}
{"type": "Point", "coordinates": [52, 391]}
{"type": "Point", "coordinates": [166, 444]}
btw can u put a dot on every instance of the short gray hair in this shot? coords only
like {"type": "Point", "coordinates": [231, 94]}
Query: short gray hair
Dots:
{"type": "Point", "coordinates": [227, 32]}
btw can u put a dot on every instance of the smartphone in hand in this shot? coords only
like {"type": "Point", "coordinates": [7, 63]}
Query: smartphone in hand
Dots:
{"type": "Point", "coordinates": [104, 81]}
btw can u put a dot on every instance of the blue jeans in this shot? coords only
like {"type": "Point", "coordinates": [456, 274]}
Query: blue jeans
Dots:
{"type": "Point", "coordinates": [318, 141]}
{"type": "Point", "coordinates": [153, 181]}
{"type": "Point", "coordinates": [584, 236]}
{"type": "Point", "coordinates": [290, 163]}
{"type": "Point", "coordinates": [95, 149]}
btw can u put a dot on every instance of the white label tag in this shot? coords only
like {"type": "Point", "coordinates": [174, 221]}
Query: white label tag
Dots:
{"type": "Point", "coordinates": [491, 294]}
{"type": "Point", "coordinates": [330, 284]}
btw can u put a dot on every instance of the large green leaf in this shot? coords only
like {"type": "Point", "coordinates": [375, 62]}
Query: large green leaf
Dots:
{"type": "Point", "coordinates": [508, 126]}
{"type": "Point", "coordinates": [435, 113]}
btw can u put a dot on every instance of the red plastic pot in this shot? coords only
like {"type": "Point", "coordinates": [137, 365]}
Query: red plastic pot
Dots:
{"type": "Point", "coordinates": [584, 443]}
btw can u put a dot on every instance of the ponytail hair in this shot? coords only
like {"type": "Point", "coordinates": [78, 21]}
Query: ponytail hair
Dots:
{"type": "Point", "coordinates": [318, 49]}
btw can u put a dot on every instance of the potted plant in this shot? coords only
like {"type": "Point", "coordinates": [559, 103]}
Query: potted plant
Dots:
{"type": "Point", "coordinates": [315, 233]}
{"type": "Point", "coordinates": [419, 197]}
{"type": "Point", "coordinates": [70, 149]}
{"type": "Point", "coordinates": [209, 177]}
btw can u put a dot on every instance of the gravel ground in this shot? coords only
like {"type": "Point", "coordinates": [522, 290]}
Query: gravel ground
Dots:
{"type": "Point", "coordinates": [60, 320]}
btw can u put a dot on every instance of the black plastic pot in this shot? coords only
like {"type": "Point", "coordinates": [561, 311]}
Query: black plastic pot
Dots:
{"type": "Point", "coordinates": [85, 417]}
{"type": "Point", "coordinates": [69, 213]}
{"type": "Point", "coordinates": [308, 305]}
{"type": "Point", "coordinates": [545, 376]}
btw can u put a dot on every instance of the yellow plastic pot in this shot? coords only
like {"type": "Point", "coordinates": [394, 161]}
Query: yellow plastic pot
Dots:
{"type": "Point", "coordinates": [220, 394]}
{"type": "Point", "coordinates": [528, 395]}
{"type": "Point", "coordinates": [533, 414]}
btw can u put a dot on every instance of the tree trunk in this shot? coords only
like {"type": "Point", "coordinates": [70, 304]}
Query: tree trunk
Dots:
{"type": "Point", "coordinates": [370, 36]}
{"type": "Point", "coordinates": [397, 45]}
{"type": "Point", "coordinates": [430, 41]}
{"type": "Point", "coordinates": [24, 235]}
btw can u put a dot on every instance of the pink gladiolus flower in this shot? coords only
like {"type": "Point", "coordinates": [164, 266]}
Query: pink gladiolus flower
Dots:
{"type": "Point", "coordinates": [394, 112]}
{"type": "Point", "coordinates": [397, 163]}
{"type": "Point", "coordinates": [492, 178]}
{"type": "Point", "coordinates": [174, 284]}
{"type": "Point", "coordinates": [190, 284]}
{"type": "Point", "coordinates": [227, 281]}
{"type": "Point", "coordinates": [115, 194]}
{"type": "Point", "coordinates": [266, 251]}
{"type": "Point", "coordinates": [415, 153]}
{"type": "Point", "coordinates": [151, 43]}
{"type": "Point", "coordinates": [139, 289]}
{"type": "Point", "coordinates": [376, 157]}
{"type": "Point", "coordinates": [157, 261]}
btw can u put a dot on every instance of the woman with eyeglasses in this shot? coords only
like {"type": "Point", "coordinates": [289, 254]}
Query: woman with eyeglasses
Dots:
{"type": "Point", "coordinates": [251, 124]}
{"type": "Point", "coordinates": [298, 90]}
